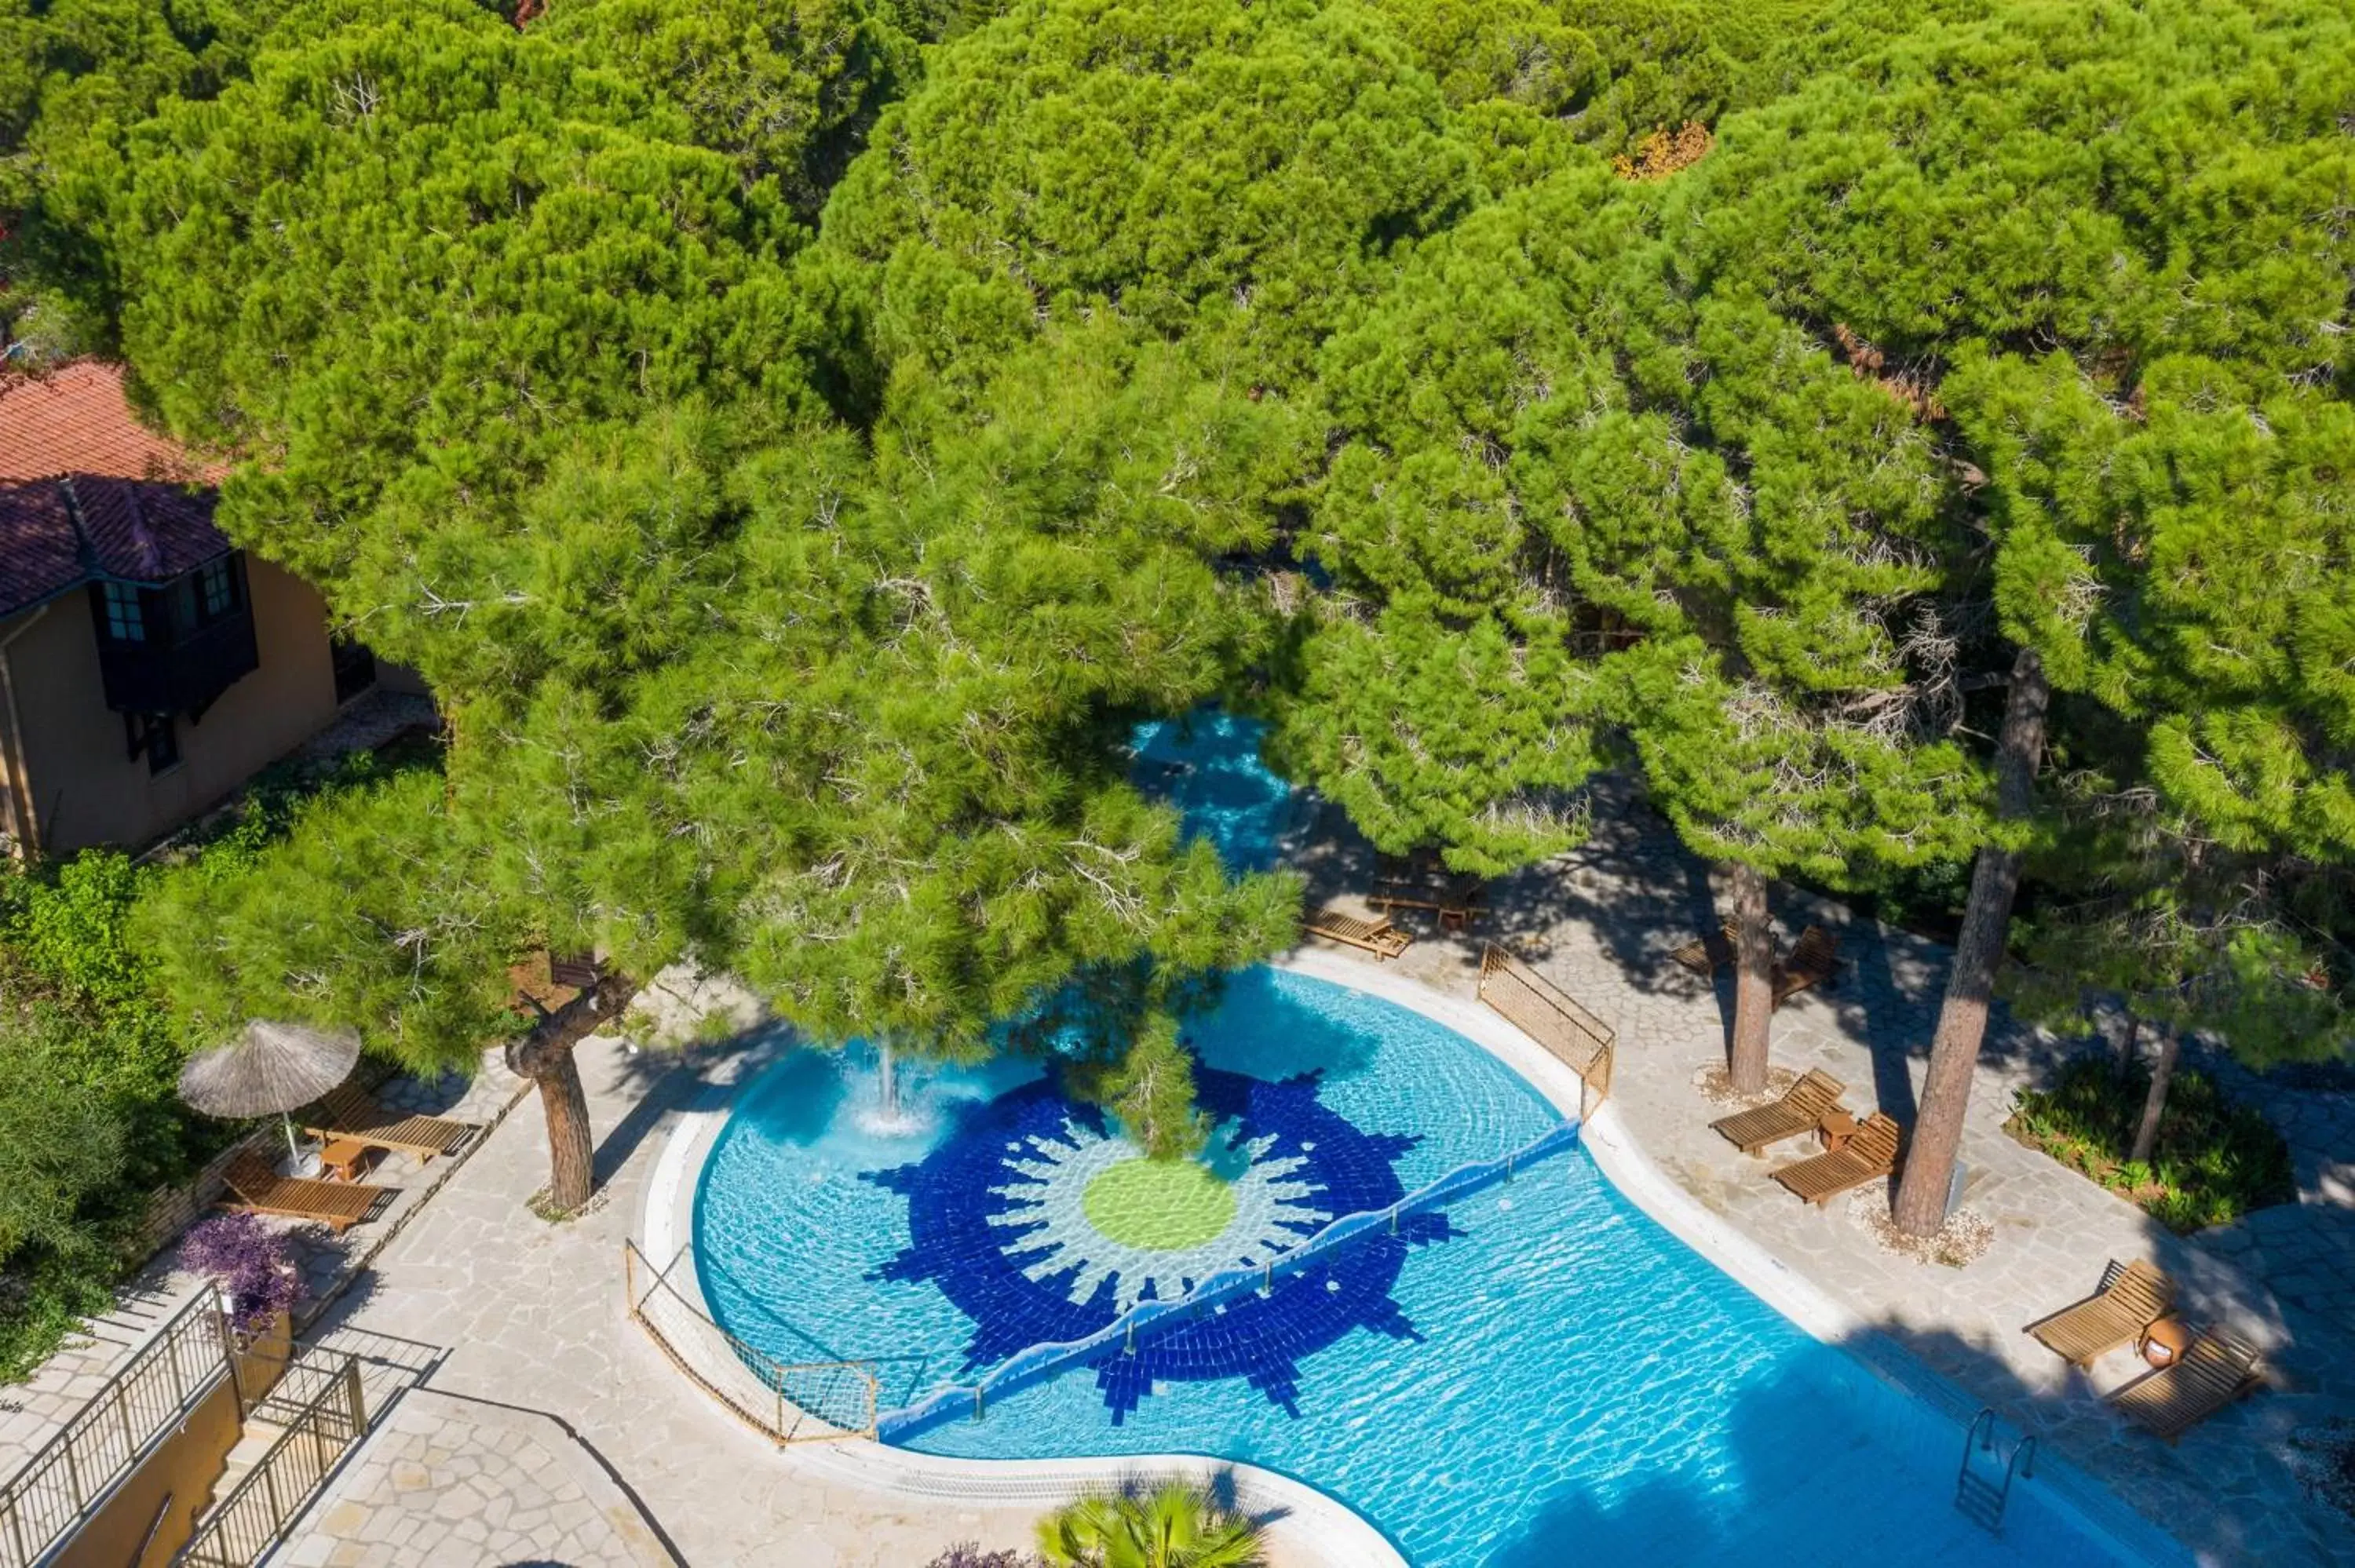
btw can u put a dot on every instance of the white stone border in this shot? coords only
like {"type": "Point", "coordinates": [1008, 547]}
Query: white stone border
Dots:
{"type": "Point", "coordinates": [1312, 1528]}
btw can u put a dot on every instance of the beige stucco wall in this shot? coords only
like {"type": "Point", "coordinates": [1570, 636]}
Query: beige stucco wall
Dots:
{"type": "Point", "coordinates": [85, 790]}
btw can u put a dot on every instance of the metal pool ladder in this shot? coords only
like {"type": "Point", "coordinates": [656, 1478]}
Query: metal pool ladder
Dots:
{"type": "Point", "coordinates": [1980, 1499]}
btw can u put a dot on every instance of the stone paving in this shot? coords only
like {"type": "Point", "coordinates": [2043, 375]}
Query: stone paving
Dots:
{"type": "Point", "coordinates": [1602, 922]}
{"type": "Point", "coordinates": [531, 1315]}
{"type": "Point", "coordinates": [33, 1412]}
{"type": "Point", "coordinates": [457, 1483]}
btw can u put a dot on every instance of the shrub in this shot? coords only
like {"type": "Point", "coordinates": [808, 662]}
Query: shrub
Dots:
{"type": "Point", "coordinates": [2214, 1159]}
{"type": "Point", "coordinates": [249, 1264]}
{"type": "Point", "coordinates": [1172, 1524]}
{"type": "Point", "coordinates": [969, 1554]}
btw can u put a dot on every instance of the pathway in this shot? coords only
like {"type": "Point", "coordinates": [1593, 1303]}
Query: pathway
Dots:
{"type": "Point", "coordinates": [531, 1314]}
{"type": "Point", "coordinates": [451, 1480]}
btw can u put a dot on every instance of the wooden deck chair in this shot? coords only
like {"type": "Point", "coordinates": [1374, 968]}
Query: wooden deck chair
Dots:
{"type": "Point", "coordinates": [1871, 1153]}
{"type": "Point", "coordinates": [2217, 1369]}
{"type": "Point", "coordinates": [1405, 870]}
{"type": "Point", "coordinates": [1455, 904]}
{"type": "Point", "coordinates": [1800, 1109]}
{"type": "Point", "coordinates": [1813, 960]}
{"type": "Point", "coordinates": [1707, 955]}
{"type": "Point", "coordinates": [350, 1113]}
{"type": "Point", "coordinates": [255, 1189]}
{"type": "Point", "coordinates": [1379, 938]}
{"type": "Point", "coordinates": [2131, 1297]}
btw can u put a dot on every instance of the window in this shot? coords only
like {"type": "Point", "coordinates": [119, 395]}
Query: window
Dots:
{"type": "Point", "coordinates": [354, 664]}
{"type": "Point", "coordinates": [153, 736]}
{"type": "Point", "coordinates": [216, 589]}
{"type": "Point", "coordinates": [124, 623]}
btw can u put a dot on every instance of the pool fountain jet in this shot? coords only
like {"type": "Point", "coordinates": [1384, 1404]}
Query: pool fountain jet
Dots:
{"type": "Point", "coordinates": [889, 1116]}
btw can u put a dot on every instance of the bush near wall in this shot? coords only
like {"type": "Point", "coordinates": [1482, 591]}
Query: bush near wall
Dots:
{"type": "Point", "coordinates": [100, 1162]}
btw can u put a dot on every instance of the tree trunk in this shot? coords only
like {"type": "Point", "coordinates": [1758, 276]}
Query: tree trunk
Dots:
{"type": "Point", "coordinates": [2153, 1104]}
{"type": "Point", "coordinates": [1921, 1206]}
{"type": "Point", "coordinates": [545, 1057]}
{"type": "Point", "coordinates": [2126, 1045]}
{"type": "Point", "coordinates": [1754, 980]}
{"type": "Point", "coordinates": [571, 1147]}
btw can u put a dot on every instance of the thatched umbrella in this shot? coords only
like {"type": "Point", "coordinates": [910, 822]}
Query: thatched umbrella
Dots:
{"type": "Point", "coordinates": [268, 1070]}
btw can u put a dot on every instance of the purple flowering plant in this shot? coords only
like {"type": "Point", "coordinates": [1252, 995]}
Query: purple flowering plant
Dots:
{"type": "Point", "coordinates": [249, 1264]}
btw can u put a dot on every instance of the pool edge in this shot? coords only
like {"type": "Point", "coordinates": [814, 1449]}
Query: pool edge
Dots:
{"type": "Point", "coordinates": [1317, 1528]}
{"type": "Point", "coordinates": [1310, 1528]}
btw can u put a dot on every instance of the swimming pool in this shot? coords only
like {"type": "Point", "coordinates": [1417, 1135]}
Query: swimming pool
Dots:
{"type": "Point", "coordinates": [1539, 1373]}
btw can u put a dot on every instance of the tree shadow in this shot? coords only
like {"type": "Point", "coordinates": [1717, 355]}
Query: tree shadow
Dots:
{"type": "Point", "coordinates": [664, 1083]}
{"type": "Point", "coordinates": [1822, 1457]}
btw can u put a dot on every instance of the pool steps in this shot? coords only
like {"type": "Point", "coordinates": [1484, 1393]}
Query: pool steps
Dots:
{"type": "Point", "coordinates": [1040, 1361]}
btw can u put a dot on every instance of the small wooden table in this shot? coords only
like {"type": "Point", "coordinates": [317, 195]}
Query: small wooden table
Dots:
{"type": "Point", "coordinates": [345, 1158]}
{"type": "Point", "coordinates": [2164, 1342]}
{"type": "Point", "coordinates": [1837, 1127]}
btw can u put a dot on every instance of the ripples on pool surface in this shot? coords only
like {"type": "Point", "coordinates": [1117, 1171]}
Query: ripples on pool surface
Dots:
{"type": "Point", "coordinates": [1586, 1390]}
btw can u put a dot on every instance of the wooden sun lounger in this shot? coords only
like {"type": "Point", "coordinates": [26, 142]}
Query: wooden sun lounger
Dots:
{"type": "Point", "coordinates": [1870, 1154]}
{"type": "Point", "coordinates": [1401, 870]}
{"type": "Point", "coordinates": [1454, 906]}
{"type": "Point", "coordinates": [1379, 938]}
{"type": "Point", "coordinates": [2132, 1297]}
{"type": "Point", "coordinates": [2217, 1369]}
{"type": "Point", "coordinates": [1800, 1109]}
{"type": "Point", "coordinates": [1707, 955]}
{"type": "Point", "coordinates": [350, 1113]}
{"type": "Point", "coordinates": [255, 1189]}
{"type": "Point", "coordinates": [1814, 959]}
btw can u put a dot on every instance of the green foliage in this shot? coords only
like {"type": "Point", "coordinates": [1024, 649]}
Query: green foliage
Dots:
{"type": "Point", "coordinates": [1189, 163]}
{"type": "Point", "coordinates": [786, 91]}
{"type": "Point", "coordinates": [60, 1145]}
{"type": "Point", "coordinates": [790, 600]}
{"type": "Point", "coordinates": [359, 919]}
{"type": "Point", "coordinates": [410, 259]}
{"type": "Point", "coordinates": [1149, 1087]}
{"type": "Point", "coordinates": [2214, 1161]}
{"type": "Point", "coordinates": [1174, 1524]}
{"type": "Point", "coordinates": [75, 75]}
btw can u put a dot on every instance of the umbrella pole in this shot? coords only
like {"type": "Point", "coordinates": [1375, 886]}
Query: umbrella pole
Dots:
{"type": "Point", "coordinates": [293, 1153]}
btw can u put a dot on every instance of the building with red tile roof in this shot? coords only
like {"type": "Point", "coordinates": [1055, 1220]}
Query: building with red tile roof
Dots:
{"type": "Point", "coordinates": [148, 667]}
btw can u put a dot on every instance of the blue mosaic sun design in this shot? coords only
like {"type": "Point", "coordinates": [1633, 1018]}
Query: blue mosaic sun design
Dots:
{"type": "Point", "coordinates": [998, 1225]}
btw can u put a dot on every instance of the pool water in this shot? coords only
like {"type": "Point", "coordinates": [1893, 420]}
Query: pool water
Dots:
{"type": "Point", "coordinates": [1206, 765]}
{"type": "Point", "coordinates": [1545, 1377]}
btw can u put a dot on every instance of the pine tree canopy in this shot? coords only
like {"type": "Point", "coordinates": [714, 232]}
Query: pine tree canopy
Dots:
{"type": "Point", "coordinates": [800, 440]}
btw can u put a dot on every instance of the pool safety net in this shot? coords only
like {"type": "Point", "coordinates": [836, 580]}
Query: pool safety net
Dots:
{"type": "Point", "coordinates": [785, 1401]}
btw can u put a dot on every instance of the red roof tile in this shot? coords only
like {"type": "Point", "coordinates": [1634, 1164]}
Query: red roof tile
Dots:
{"type": "Point", "coordinates": [142, 532]}
{"type": "Point", "coordinates": [57, 534]}
{"type": "Point", "coordinates": [76, 419]}
{"type": "Point", "coordinates": [40, 553]}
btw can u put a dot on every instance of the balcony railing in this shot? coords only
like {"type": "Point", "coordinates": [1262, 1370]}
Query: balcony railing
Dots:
{"type": "Point", "coordinates": [183, 676]}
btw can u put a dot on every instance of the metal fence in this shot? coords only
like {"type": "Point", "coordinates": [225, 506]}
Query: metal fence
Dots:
{"type": "Point", "coordinates": [325, 1412]}
{"type": "Point", "coordinates": [808, 1401]}
{"type": "Point", "coordinates": [151, 1393]}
